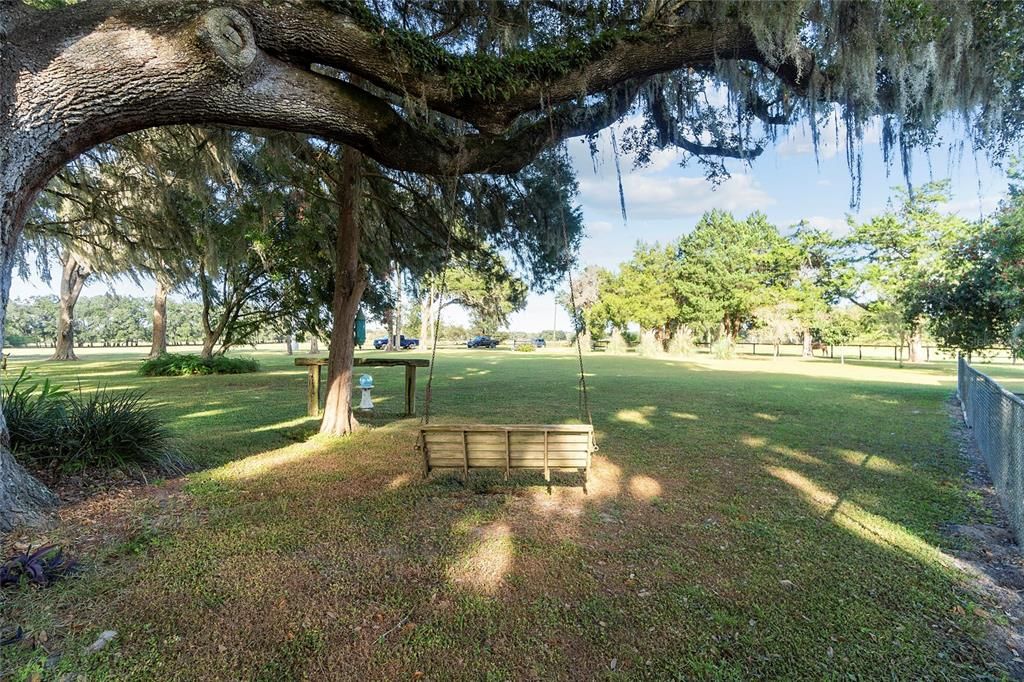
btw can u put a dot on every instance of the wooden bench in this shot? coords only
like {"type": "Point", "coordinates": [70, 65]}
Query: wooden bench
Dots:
{"type": "Point", "coordinates": [544, 447]}
{"type": "Point", "coordinates": [313, 382]}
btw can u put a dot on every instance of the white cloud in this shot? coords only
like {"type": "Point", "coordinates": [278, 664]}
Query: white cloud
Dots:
{"type": "Point", "coordinates": [668, 198]}
{"type": "Point", "coordinates": [973, 207]}
{"type": "Point", "coordinates": [831, 138]}
{"type": "Point", "coordinates": [835, 226]}
{"type": "Point", "coordinates": [599, 227]}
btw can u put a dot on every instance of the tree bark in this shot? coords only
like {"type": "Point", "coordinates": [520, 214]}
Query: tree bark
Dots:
{"type": "Point", "coordinates": [159, 344]}
{"type": "Point", "coordinates": [24, 501]}
{"type": "Point", "coordinates": [72, 280]}
{"type": "Point", "coordinates": [349, 283]}
{"type": "Point", "coordinates": [314, 345]}
{"type": "Point", "coordinates": [808, 350]}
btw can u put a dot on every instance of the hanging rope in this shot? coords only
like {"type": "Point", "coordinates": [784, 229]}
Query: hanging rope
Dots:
{"type": "Point", "coordinates": [440, 297]}
{"type": "Point", "coordinates": [437, 330]}
{"type": "Point", "coordinates": [584, 399]}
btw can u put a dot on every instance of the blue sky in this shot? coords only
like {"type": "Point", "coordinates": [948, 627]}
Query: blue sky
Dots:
{"type": "Point", "coordinates": [664, 200]}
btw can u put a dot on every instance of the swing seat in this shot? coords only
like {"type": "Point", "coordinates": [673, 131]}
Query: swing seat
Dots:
{"type": "Point", "coordinates": [544, 447]}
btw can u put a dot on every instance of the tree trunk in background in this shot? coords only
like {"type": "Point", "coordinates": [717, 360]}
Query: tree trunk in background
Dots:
{"type": "Point", "coordinates": [211, 332]}
{"type": "Point", "coordinates": [915, 344]}
{"type": "Point", "coordinates": [725, 331]}
{"type": "Point", "coordinates": [808, 350]}
{"type": "Point", "coordinates": [314, 345]}
{"type": "Point", "coordinates": [427, 319]}
{"type": "Point", "coordinates": [395, 341]}
{"type": "Point", "coordinates": [159, 345]}
{"type": "Point", "coordinates": [349, 283]}
{"type": "Point", "coordinates": [72, 279]}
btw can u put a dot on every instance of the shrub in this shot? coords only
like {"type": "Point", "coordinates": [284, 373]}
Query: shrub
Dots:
{"type": "Point", "coordinates": [33, 411]}
{"type": "Point", "coordinates": [176, 365]}
{"type": "Point", "coordinates": [41, 567]}
{"type": "Point", "coordinates": [16, 340]}
{"type": "Point", "coordinates": [617, 343]}
{"type": "Point", "coordinates": [681, 342]}
{"type": "Point", "coordinates": [723, 349]}
{"type": "Point", "coordinates": [524, 347]}
{"type": "Point", "coordinates": [650, 344]}
{"type": "Point", "coordinates": [50, 426]}
{"type": "Point", "coordinates": [109, 430]}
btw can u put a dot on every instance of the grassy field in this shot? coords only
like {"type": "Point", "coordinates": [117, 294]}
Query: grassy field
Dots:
{"type": "Point", "coordinates": [746, 518]}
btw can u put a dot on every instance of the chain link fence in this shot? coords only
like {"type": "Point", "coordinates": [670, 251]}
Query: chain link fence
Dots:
{"type": "Point", "coordinates": [996, 418]}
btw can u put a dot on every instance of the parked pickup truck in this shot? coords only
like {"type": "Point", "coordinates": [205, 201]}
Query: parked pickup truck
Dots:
{"type": "Point", "coordinates": [482, 342]}
{"type": "Point", "coordinates": [403, 343]}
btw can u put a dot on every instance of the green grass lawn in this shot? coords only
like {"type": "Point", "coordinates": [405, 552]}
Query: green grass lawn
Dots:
{"type": "Point", "coordinates": [746, 518]}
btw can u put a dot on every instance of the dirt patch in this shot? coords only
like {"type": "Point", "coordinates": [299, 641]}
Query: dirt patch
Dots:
{"type": "Point", "coordinates": [989, 551]}
{"type": "Point", "coordinates": [98, 510]}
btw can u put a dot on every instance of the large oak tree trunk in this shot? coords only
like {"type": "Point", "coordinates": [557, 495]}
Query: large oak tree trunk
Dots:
{"type": "Point", "coordinates": [72, 280]}
{"type": "Point", "coordinates": [349, 283]}
{"type": "Point", "coordinates": [23, 499]}
{"type": "Point", "coordinates": [159, 345]}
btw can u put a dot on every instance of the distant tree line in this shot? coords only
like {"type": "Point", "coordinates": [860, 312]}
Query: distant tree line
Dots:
{"type": "Point", "coordinates": [912, 271]}
{"type": "Point", "coordinates": [108, 321]}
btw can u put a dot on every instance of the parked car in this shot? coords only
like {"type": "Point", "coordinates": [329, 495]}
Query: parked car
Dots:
{"type": "Point", "coordinates": [540, 343]}
{"type": "Point", "coordinates": [403, 343]}
{"type": "Point", "coordinates": [482, 342]}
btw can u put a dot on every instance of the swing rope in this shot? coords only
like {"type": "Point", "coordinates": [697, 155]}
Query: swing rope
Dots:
{"type": "Point", "coordinates": [584, 399]}
{"type": "Point", "coordinates": [428, 395]}
{"type": "Point", "coordinates": [437, 328]}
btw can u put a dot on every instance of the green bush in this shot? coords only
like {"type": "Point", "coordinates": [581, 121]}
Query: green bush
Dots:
{"type": "Point", "coordinates": [33, 411]}
{"type": "Point", "coordinates": [176, 365]}
{"type": "Point", "coordinates": [650, 344]}
{"type": "Point", "coordinates": [525, 347]}
{"type": "Point", "coordinates": [682, 343]}
{"type": "Point", "coordinates": [617, 343]}
{"type": "Point", "coordinates": [52, 427]}
{"type": "Point", "coordinates": [16, 340]}
{"type": "Point", "coordinates": [723, 349]}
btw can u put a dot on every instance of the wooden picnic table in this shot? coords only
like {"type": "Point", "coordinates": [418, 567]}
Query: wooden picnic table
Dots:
{"type": "Point", "coordinates": [313, 382]}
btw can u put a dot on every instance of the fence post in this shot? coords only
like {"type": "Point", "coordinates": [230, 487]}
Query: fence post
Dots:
{"type": "Point", "coordinates": [860, 352]}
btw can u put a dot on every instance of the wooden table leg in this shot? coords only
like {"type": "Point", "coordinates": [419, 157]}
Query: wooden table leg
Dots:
{"type": "Point", "coordinates": [410, 390]}
{"type": "Point", "coordinates": [313, 391]}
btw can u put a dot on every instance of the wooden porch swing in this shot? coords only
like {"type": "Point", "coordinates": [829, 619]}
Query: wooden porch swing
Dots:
{"type": "Point", "coordinates": [509, 447]}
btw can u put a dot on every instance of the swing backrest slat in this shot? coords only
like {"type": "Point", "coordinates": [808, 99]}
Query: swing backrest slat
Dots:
{"type": "Point", "coordinates": [548, 447]}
